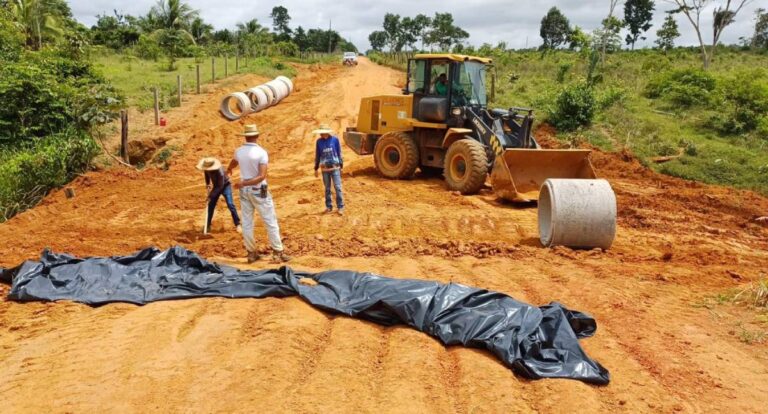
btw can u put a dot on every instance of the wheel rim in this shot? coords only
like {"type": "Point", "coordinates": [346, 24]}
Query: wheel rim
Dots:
{"type": "Point", "coordinates": [458, 167]}
{"type": "Point", "coordinates": [391, 156]}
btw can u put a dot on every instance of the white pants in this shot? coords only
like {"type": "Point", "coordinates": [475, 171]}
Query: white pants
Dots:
{"type": "Point", "coordinates": [250, 201]}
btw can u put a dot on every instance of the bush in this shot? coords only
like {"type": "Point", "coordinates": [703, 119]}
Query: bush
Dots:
{"type": "Point", "coordinates": [683, 87]}
{"type": "Point", "coordinates": [47, 93]}
{"type": "Point", "coordinates": [574, 107]}
{"type": "Point", "coordinates": [27, 174]}
{"type": "Point", "coordinates": [743, 104]}
{"type": "Point", "coordinates": [147, 48]}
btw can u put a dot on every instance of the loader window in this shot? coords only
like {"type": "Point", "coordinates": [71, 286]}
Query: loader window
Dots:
{"type": "Point", "coordinates": [471, 82]}
{"type": "Point", "coordinates": [438, 77]}
{"type": "Point", "coordinates": [417, 76]}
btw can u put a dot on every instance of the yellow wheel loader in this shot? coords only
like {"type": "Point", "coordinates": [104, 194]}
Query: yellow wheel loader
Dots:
{"type": "Point", "coordinates": [442, 122]}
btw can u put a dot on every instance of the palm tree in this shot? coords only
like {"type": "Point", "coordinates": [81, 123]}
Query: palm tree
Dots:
{"type": "Point", "coordinates": [38, 19]}
{"type": "Point", "coordinates": [173, 14]}
{"type": "Point", "coordinates": [251, 27]}
{"type": "Point", "coordinates": [252, 37]}
{"type": "Point", "coordinates": [200, 30]}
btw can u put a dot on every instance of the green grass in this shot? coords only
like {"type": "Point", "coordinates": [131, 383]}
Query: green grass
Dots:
{"type": "Point", "coordinates": [136, 77]}
{"type": "Point", "coordinates": [647, 127]}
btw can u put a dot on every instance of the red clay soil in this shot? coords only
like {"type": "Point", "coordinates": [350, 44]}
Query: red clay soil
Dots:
{"type": "Point", "coordinates": [678, 243]}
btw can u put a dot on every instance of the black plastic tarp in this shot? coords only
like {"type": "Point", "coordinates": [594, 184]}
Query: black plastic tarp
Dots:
{"type": "Point", "coordinates": [536, 342]}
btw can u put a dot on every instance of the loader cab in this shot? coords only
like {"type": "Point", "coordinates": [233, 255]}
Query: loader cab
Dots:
{"type": "Point", "coordinates": [443, 84]}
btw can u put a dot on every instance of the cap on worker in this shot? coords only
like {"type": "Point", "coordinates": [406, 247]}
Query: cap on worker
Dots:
{"type": "Point", "coordinates": [323, 129]}
{"type": "Point", "coordinates": [250, 131]}
{"type": "Point", "coordinates": [208, 164]}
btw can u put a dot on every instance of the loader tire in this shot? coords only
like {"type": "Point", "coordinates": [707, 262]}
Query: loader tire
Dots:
{"type": "Point", "coordinates": [466, 166]}
{"type": "Point", "coordinates": [396, 155]}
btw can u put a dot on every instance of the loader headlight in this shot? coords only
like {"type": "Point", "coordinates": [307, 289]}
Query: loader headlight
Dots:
{"type": "Point", "coordinates": [456, 111]}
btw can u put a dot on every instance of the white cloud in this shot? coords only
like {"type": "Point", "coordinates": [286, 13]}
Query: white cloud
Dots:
{"type": "Point", "coordinates": [487, 21]}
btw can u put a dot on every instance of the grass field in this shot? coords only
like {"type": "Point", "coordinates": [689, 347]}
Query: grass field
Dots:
{"type": "Point", "coordinates": [648, 128]}
{"type": "Point", "coordinates": [136, 78]}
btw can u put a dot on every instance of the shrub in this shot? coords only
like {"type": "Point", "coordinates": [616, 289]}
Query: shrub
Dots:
{"type": "Point", "coordinates": [147, 48]}
{"type": "Point", "coordinates": [744, 103]}
{"type": "Point", "coordinates": [683, 87]}
{"type": "Point", "coordinates": [574, 107]}
{"type": "Point", "coordinates": [610, 96]}
{"type": "Point", "coordinates": [27, 174]}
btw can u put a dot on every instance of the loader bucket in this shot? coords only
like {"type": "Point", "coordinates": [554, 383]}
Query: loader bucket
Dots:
{"type": "Point", "coordinates": [518, 174]}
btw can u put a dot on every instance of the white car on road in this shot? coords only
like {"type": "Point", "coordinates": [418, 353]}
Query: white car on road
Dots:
{"type": "Point", "coordinates": [349, 59]}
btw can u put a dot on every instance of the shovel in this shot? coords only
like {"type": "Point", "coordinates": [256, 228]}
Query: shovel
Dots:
{"type": "Point", "coordinates": [205, 215]}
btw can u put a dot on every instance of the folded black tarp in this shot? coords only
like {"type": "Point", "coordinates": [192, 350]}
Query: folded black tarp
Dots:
{"type": "Point", "coordinates": [537, 342]}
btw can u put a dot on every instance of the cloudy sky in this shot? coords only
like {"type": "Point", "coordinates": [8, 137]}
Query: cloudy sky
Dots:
{"type": "Point", "coordinates": [513, 21]}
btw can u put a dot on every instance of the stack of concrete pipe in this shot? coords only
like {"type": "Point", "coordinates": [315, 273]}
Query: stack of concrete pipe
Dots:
{"type": "Point", "coordinates": [257, 98]}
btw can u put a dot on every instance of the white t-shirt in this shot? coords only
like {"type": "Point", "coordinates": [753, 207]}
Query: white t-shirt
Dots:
{"type": "Point", "coordinates": [250, 156]}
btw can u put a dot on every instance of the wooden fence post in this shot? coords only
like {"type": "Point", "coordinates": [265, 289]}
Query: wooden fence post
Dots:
{"type": "Point", "coordinates": [178, 88]}
{"type": "Point", "coordinates": [226, 66]}
{"type": "Point", "coordinates": [157, 108]}
{"type": "Point", "coordinates": [213, 70]}
{"type": "Point", "coordinates": [124, 135]}
{"type": "Point", "coordinates": [197, 80]}
{"type": "Point", "coordinates": [237, 63]}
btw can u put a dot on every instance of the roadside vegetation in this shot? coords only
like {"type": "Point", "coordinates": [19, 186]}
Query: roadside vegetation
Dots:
{"type": "Point", "coordinates": [662, 104]}
{"type": "Point", "coordinates": [61, 83]}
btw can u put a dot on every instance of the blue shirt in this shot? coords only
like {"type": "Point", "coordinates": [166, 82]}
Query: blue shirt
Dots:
{"type": "Point", "coordinates": [328, 152]}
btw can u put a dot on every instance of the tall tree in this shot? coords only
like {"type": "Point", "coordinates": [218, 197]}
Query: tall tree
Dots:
{"type": "Point", "coordinates": [760, 38]}
{"type": "Point", "coordinates": [300, 38]}
{"type": "Point", "coordinates": [722, 17]}
{"type": "Point", "coordinates": [421, 24]}
{"type": "Point", "coordinates": [378, 40]}
{"type": "Point", "coordinates": [393, 27]}
{"type": "Point", "coordinates": [409, 33]}
{"type": "Point", "coordinates": [444, 33]}
{"type": "Point", "coordinates": [638, 15]}
{"type": "Point", "coordinates": [554, 29]}
{"type": "Point", "coordinates": [667, 34]}
{"type": "Point", "coordinates": [280, 21]}
{"type": "Point", "coordinates": [610, 31]}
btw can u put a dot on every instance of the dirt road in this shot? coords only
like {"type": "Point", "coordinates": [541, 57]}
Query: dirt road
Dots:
{"type": "Point", "coordinates": [678, 244]}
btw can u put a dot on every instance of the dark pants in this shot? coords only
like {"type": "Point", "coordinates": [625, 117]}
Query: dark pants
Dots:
{"type": "Point", "coordinates": [214, 198]}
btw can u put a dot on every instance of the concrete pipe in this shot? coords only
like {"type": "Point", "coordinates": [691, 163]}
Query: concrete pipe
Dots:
{"type": "Point", "coordinates": [287, 81]}
{"type": "Point", "coordinates": [281, 89]}
{"type": "Point", "coordinates": [270, 95]}
{"type": "Point", "coordinates": [243, 104]}
{"type": "Point", "coordinates": [259, 99]}
{"type": "Point", "coordinates": [578, 213]}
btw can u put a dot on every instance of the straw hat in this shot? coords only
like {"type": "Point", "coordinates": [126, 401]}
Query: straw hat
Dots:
{"type": "Point", "coordinates": [250, 131]}
{"type": "Point", "coordinates": [323, 129]}
{"type": "Point", "coordinates": [208, 164]}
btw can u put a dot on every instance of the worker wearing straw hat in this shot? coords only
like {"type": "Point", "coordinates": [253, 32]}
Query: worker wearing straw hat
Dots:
{"type": "Point", "coordinates": [217, 184]}
{"type": "Point", "coordinates": [328, 159]}
{"type": "Point", "coordinates": [254, 194]}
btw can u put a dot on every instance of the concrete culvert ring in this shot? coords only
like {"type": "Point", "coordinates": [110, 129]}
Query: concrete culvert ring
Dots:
{"type": "Point", "coordinates": [235, 105]}
{"type": "Point", "coordinates": [396, 155]}
{"type": "Point", "coordinates": [466, 166]}
{"type": "Point", "coordinates": [578, 213]}
{"type": "Point", "coordinates": [269, 92]}
{"type": "Point", "coordinates": [287, 82]}
{"type": "Point", "coordinates": [259, 99]}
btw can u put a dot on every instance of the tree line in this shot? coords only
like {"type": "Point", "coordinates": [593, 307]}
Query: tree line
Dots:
{"type": "Point", "coordinates": [555, 29]}
{"type": "Point", "coordinates": [404, 32]}
{"type": "Point", "coordinates": [176, 29]}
